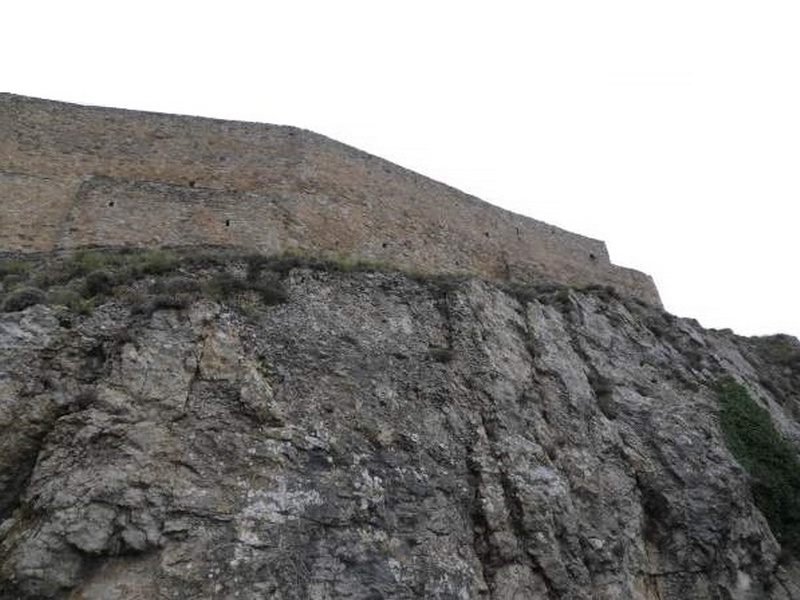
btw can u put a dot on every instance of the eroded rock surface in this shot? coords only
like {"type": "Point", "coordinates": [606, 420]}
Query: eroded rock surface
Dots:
{"type": "Point", "coordinates": [379, 437]}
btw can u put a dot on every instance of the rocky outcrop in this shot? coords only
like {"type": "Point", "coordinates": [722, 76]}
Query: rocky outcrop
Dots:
{"type": "Point", "coordinates": [378, 436]}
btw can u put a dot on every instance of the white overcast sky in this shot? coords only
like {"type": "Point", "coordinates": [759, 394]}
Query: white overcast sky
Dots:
{"type": "Point", "coordinates": [671, 130]}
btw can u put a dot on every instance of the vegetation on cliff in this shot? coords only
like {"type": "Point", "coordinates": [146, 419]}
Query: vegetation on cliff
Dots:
{"type": "Point", "coordinates": [308, 429]}
{"type": "Point", "coordinates": [150, 279]}
{"type": "Point", "coordinates": [769, 459]}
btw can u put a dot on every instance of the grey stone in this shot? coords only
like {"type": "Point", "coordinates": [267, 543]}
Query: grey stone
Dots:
{"type": "Point", "coordinates": [317, 449]}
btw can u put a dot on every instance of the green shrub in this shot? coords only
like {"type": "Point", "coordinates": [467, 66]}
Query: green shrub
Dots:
{"type": "Point", "coordinates": [86, 261]}
{"type": "Point", "coordinates": [155, 262]}
{"type": "Point", "coordinates": [769, 459]}
{"type": "Point", "coordinates": [605, 292]}
{"type": "Point", "coordinates": [22, 298]}
{"type": "Point", "coordinates": [224, 285]}
{"type": "Point", "coordinates": [12, 266]}
{"type": "Point", "coordinates": [170, 301]}
{"type": "Point", "coordinates": [256, 263]}
{"type": "Point", "coordinates": [268, 286]}
{"type": "Point", "coordinates": [177, 284]}
{"type": "Point", "coordinates": [523, 293]}
{"type": "Point", "coordinates": [62, 296]}
{"type": "Point", "coordinates": [284, 263]}
{"type": "Point", "coordinates": [98, 283]}
{"type": "Point", "coordinates": [148, 305]}
{"type": "Point", "coordinates": [780, 349]}
{"type": "Point", "coordinates": [563, 296]}
{"type": "Point", "coordinates": [12, 281]}
{"type": "Point", "coordinates": [58, 270]}
{"type": "Point", "coordinates": [270, 289]}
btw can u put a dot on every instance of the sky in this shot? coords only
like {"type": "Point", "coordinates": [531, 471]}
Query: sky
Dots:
{"type": "Point", "coordinates": [670, 130]}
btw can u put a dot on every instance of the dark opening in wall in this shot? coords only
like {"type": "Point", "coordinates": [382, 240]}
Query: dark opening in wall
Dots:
{"type": "Point", "coordinates": [227, 222]}
{"type": "Point", "coordinates": [111, 203]}
{"type": "Point", "coordinates": [384, 244]}
{"type": "Point", "coordinates": [191, 183]}
{"type": "Point", "coordinates": [486, 233]}
{"type": "Point", "coordinates": [592, 256]}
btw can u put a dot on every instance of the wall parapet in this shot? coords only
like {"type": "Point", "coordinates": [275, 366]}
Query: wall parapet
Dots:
{"type": "Point", "coordinates": [73, 176]}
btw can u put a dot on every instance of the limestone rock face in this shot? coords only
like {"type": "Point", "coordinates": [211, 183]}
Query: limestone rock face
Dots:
{"type": "Point", "coordinates": [379, 437]}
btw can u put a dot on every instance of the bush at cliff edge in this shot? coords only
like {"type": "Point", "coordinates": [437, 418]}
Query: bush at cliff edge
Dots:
{"type": "Point", "coordinates": [769, 459]}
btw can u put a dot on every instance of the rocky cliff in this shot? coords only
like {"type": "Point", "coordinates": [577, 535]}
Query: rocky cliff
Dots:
{"type": "Point", "coordinates": [236, 427]}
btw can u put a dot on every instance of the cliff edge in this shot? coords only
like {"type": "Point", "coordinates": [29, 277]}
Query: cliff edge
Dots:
{"type": "Point", "coordinates": [214, 426]}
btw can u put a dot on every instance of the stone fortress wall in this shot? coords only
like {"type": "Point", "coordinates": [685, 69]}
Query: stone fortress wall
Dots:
{"type": "Point", "coordinates": [74, 176]}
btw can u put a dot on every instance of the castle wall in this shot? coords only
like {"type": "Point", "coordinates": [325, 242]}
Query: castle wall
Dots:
{"type": "Point", "coordinates": [73, 176]}
{"type": "Point", "coordinates": [33, 210]}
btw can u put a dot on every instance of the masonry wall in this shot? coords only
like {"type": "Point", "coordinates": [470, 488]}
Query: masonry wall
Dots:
{"type": "Point", "coordinates": [73, 176]}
